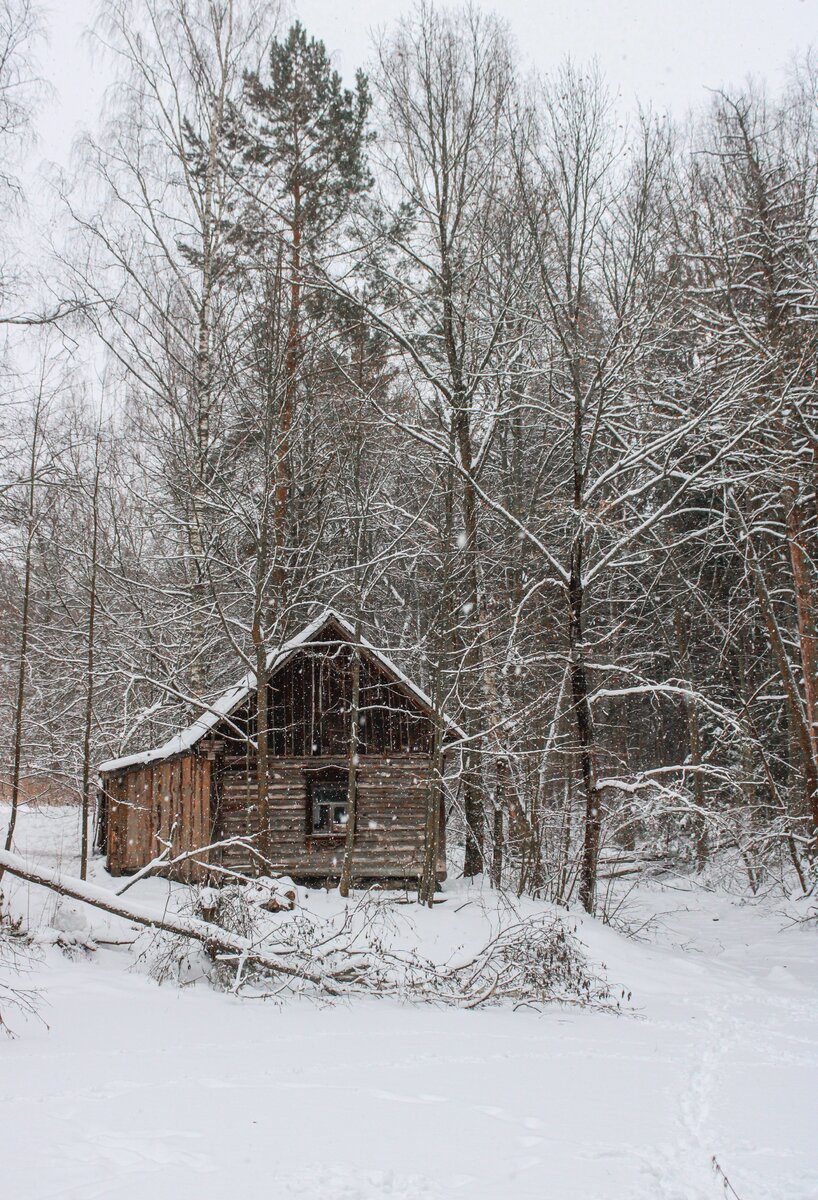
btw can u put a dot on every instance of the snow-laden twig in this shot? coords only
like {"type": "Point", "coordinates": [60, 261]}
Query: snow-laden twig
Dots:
{"type": "Point", "coordinates": [537, 960]}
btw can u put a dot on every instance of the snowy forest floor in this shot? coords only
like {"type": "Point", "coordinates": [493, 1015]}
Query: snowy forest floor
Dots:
{"type": "Point", "coordinates": [132, 1090]}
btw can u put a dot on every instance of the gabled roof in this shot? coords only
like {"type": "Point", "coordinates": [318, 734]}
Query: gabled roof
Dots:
{"type": "Point", "coordinates": [230, 700]}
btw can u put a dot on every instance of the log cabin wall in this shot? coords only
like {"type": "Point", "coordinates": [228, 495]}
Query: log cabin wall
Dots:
{"type": "Point", "coordinates": [150, 805]}
{"type": "Point", "coordinates": [209, 793]}
{"type": "Point", "coordinates": [390, 835]}
{"type": "Point", "coordinates": [309, 702]}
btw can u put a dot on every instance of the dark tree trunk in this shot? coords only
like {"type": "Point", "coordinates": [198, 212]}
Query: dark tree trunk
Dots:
{"type": "Point", "coordinates": [434, 800]}
{"type": "Point", "coordinates": [352, 785]}
{"type": "Point", "coordinates": [693, 741]}
{"type": "Point", "coordinates": [585, 733]}
{"type": "Point", "coordinates": [89, 681]}
{"type": "Point", "coordinates": [25, 617]}
{"type": "Point", "coordinates": [262, 748]}
{"type": "Point", "coordinates": [474, 861]}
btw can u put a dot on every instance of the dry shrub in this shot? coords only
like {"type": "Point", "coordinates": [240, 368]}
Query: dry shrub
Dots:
{"type": "Point", "coordinates": [365, 950]}
{"type": "Point", "coordinates": [17, 956]}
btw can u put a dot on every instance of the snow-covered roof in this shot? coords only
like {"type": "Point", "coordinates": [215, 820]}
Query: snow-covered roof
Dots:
{"type": "Point", "coordinates": [233, 697]}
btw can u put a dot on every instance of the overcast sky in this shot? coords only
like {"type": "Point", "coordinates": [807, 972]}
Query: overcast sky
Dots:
{"type": "Point", "coordinates": [664, 51]}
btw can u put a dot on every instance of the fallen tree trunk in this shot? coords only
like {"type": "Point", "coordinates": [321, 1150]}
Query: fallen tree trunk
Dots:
{"type": "Point", "coordinates": [533, 960]}
{"type": "Point", "coordinates": [215, 939]}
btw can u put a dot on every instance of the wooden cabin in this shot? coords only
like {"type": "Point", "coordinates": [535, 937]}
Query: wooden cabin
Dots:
{"type": "Point", "coordinates": [200, 788]}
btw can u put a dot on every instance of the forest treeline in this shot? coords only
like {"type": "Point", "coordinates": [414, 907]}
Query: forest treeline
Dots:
{"type": "Point", "coordinates": [524, 387]}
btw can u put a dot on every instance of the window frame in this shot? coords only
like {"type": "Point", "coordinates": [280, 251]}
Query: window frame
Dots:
{"type": "Point", "coordinates": [338, 780]}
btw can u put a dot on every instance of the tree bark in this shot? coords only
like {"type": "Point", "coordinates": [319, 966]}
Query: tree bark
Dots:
{"type": "Point", "coordinates": [262, 746]}
{"type": "Point", "coordinates": [292, 360]}
{"type": "Point", "coordinates": [203, 390]}
{"type": "Point", "coordinates": [25, 616]}
{"type": "Point", "coordinates": [89, 677]}
{"type": "Point", "coordinates": [352, 784]}
{"type": "Point", "coordinates": [474, 860]}
{"type": "Point", "coordinates": [693, 741]}
{"type": "Point", "coordinates": [795, 703]}
{"type": "Point", "coordinates": [585, 733]}
{"type": "Point", "coordinates": [434, 799]}
{"type": "Point", "coordinates": [805, 605]}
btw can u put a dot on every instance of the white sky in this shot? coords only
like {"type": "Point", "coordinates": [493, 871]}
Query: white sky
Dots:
{"type": "Point", "coordinates": [667, 52]}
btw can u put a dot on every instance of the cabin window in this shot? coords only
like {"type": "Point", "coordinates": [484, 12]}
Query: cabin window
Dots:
{"type": "Point", "coordinates": [328, 799]}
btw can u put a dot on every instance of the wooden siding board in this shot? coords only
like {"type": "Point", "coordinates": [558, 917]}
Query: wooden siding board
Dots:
{"type": "Point", "coordinates": [163, 781]}
{"type": "Point", "coordinates": [175, 806]}
{"type": "Point", "coordinates": [133, 852]}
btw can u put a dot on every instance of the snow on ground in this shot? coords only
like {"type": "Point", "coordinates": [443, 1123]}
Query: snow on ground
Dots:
{"type": "Point", "coordinates": [135, 1090]}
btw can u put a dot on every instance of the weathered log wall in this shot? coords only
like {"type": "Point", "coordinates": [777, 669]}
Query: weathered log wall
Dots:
{"type": "Point", "coordinates": [392, 797]}
{"type": "Point", "coordinates": [209, 794]}
{"type": "Point", "coordinates": [310, 699]}
{"type": "Point", "coordinates": [151, 805]}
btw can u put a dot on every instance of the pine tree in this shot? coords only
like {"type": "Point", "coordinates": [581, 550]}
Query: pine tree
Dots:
{"type": "Point", "coordinates": [307, 136]}
{"type": "Point", "coordinates": [305, 146]}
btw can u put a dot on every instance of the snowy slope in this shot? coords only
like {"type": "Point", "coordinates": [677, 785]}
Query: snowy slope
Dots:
{"type": "Point", "coordinates": [138, 1091]}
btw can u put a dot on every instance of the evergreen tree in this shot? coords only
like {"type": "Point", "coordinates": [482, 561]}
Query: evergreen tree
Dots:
{"type": "Point", "coordinates": [305, 139]}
